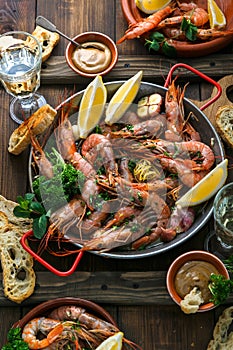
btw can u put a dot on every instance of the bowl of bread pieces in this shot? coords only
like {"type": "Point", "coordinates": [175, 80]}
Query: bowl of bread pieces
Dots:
{"type": "Point", "coordinates": [190, 278]}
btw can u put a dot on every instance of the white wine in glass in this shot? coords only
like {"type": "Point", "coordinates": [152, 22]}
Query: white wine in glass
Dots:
{"type": "Point", "coordinates": [20, 66]}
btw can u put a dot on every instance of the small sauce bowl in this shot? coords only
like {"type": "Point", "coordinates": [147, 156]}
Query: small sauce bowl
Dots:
{"type": "Point", "coordinates": [92, 37]}
{"type": "Point", "coordinates": [198, 255]}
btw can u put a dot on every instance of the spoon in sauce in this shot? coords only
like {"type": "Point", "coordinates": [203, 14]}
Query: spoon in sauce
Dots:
{"type": "Point", "coordinates": [46, 24]}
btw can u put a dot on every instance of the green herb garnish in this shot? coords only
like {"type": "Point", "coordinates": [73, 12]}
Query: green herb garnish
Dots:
{"type": "Point", "coordinates": [30, 208]}
{"type": "Point", "coordinates": [189, 29]}
{"type": "Point", "coordinates": [220, 288]}
{"type": "Point", "coordinates": [158, 41]}
{"type": "Point", "coordinates": [53, 193]}
{"type": "Point", "coordinates": [15, 340]}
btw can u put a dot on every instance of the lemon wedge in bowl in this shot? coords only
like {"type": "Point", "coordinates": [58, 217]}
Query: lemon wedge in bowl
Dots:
{"type": "Point", "coordinates": [151, 6]}
{"type": "Point", "coordinates": [92, 106]}
{"type": "Point", "coordinates": [216, 16]}
{"type": "Point", "coordinates": [205, 188]}
{"type": "Point", "coordinates": [112, 343]}
{"type": "Point", "coordinates": [122, 99]}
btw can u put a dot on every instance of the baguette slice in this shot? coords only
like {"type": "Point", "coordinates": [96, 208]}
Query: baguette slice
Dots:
{"type": "Point", "coordinates": [224, 123]}
{"type": "Point", "coordinates": [222, 337]}
{"type": "Point", "coordinates": [35, 125]}
{"type": "Point", "coordinates": [47, 39]}
{"type": "Point", "coordinates": [17, 265]}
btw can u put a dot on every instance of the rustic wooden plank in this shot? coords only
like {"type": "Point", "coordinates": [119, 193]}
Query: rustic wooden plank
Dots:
{"type": "Point", "coordinates": [155, 69]}
{"type": "Point", "coordinates": [107, 287]}
{"type": "Point", "coordinates": [8, 316]}
{"type": "Point", "coordinates": [111, 287]}
{"type": "Point", "coordinates": [14, 15]}
{"type": "Point", "coordinates": [73, 17]}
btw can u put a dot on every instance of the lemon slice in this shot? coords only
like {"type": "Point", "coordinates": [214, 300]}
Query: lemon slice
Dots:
{"type": "Point", "coordinates": [216, 16]}
{"type": "Point", "coordinates": [151, 6]}
{"type": "Point", "coordinates": [205, 188]}
{"type": "Point", "coordinates": [122, 99]}
{"type": "Point", "coordinates": [112, 343]}
{"type": "Point", "coordinates": [91, 106]}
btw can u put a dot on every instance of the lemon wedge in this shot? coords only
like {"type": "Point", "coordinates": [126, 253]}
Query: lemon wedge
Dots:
{"type": "Point", "coordinates": [216, 16]}
{"type": "Point", "coordinates": [112, 343]}
{"type": "Point", "coordinates": [151, 6]}
{"type": "Point", "coordinates": [205, 188]}
{"type": "Point", "coordinates": [91, 106]}
{"type": "Point", "coordinates": [122, 99]}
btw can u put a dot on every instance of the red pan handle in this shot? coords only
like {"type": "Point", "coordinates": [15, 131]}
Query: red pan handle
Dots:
{"type": "Point", "coordinates": [202, 75]}
{"type": "Point", "coordinates": [23, 242]}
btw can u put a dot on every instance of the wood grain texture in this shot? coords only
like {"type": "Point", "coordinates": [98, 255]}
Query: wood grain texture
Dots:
{"type": "Point", "coordinates": [133, 291]}
{"type": "Point", "coordinates": [155, 69]}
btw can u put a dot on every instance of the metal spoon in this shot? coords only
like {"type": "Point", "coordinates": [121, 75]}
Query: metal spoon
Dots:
{"type": "Point", "coordinates": [46, 24]}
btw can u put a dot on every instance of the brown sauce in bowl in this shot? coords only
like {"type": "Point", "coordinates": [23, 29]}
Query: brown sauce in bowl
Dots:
{"type": "Point", "coordinates": [92, 59]}
{"type": "Point", "coordinates": [192, 274]}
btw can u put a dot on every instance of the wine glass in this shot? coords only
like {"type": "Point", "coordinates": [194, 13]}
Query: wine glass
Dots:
{"type": "Point", "coordinates": [20, 65]}
{"type": "Point", "coordinates": [220, 240]}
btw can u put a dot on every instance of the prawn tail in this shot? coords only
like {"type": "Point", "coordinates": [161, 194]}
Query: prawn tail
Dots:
{"type": "Point", "coordinates": [123, 38]}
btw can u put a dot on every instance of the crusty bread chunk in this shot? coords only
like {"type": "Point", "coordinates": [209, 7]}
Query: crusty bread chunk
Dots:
{"type": "Point", "coordinates": [222, 337]}
{"type": "Point", "coordinates": [47, 39]}
{"type": "Point", "coordinates": [35, 125]}
{"type": "Point", "coordinates": [191, 302]}
{"type": "Point", "coordinates": [17, 265]}
{"type": "Point", "coordinates": [224, 122]}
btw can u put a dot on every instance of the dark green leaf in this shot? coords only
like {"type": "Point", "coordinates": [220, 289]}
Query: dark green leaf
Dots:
{"type": "Point", "coordinates": [157, 36]}
{"type": "Point", "coordinates": [29, 196]}
{"type": "Point", "coordinates": [37, 207]}
{"type": "Point", "coordinates": [184, 24]}
{"type": "Point", "coordinates": [21, 212]}
{"type": "Point", "coordinates": [189, 29]}
{"type": "Point", "coordinates": [40, 226]}
{"type": "Point", "coordinates": [169, 50]}
{"type": "Point", "coordinates": [191, 33]}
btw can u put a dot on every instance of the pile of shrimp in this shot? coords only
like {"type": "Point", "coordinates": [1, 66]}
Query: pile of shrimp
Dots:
{"type": "Point", "coordinates": [70, 327]}
{"type": "Point", "coordinates": [134, 172]}
{"type": "Point", "coordinates": [168, 22]}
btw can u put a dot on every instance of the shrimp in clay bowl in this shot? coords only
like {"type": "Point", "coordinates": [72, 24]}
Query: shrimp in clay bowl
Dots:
{"type": "Point", "coordinates": [134, 162]}
{"type": "Point", "coordinates": [179, 28]}
{"type": "Point", "coordinates": [67, 323]}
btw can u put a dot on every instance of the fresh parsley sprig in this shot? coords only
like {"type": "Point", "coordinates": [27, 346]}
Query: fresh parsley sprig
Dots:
{"type": "Point", "coordinates": [189, 29]}
{"type": "Point", "coordinates": [158, 41]}
{"type": "Point", "coordinates": [30, 208]}
{"type": "Point", "coordinates": [15, 341]}
{"type": "Point", "coordinates": [220, 288]}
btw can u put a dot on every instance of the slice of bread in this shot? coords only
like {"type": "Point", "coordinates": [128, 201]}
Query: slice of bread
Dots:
{"type": "Point", "coordinates": [222, 337]}
{"type": "Point", "coordinates": [47, 39]}
{"type": "Point", "coordinates": [224, 123]}
{"type": "Point", "coordinates": [17, 265]}
{"type": "Point", "coordinates": [35, 125]}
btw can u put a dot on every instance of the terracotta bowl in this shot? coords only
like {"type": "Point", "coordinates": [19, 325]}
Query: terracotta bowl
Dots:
{"type": "Point", "coordinates": [45, 308]}
{"type": "Point", "coordinates": [190, 256]}
{"type": "Point", "coordinates": [92, 36]}
{"type": "Point", "coordinates": [133, 15]}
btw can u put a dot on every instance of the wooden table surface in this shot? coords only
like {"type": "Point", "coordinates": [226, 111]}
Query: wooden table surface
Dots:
{"type": "Point", "coordinates": [133, 291]}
